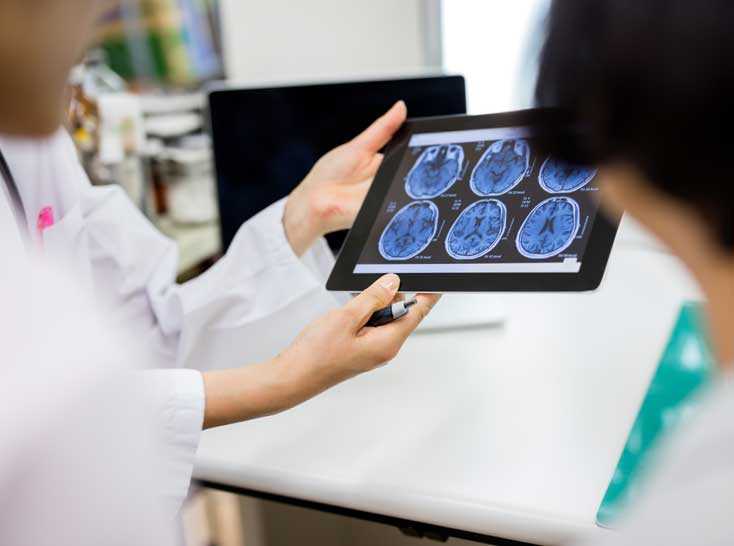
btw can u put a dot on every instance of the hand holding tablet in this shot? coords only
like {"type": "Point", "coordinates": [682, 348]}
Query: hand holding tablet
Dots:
{"type": "Point", "coordinates": [472, 204]}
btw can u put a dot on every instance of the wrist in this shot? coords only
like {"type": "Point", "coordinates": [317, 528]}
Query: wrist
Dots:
{"type": "Point", "coordinates": [300, 377]}
{"type": "Point", "coordinates": [298, 223]}
{"type": "Point", "coordinates": [241, 394]}
{"type": "Point", "coordinates": [261, 389]}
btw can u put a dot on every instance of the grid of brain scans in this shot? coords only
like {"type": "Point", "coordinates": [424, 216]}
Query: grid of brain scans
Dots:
{"type": "Point", "coordinates": [482, 201]}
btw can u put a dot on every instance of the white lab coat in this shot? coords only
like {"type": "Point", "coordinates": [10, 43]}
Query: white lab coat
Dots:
{"type": "Point", "coordinates": [78, 462]}
{"type": "Point", "coordinates": [246, 308]}
{"type": "Point", "coordinates": [689, 498]}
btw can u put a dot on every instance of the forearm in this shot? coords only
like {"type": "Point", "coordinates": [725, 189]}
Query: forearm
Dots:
{"type": "Point", "coordinates": [330, 350]}
{"type": "Point", "coordinates": [260, 389]}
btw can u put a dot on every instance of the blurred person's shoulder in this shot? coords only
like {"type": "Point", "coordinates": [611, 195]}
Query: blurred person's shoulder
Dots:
{"type": "Point", "coordinates": [76, 450]}
{"type": "Point", "coordinates": [707, 442]}
{"type": "Point", "coordinates": [690, 496]}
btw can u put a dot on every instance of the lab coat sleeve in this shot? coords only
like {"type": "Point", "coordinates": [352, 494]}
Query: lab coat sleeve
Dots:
{"type": "Point", "coordinates": [176, 397]}
{"type": "Point", "coordinates": [255, 300]}
{"type": "Point", "coordinates": [246, 308]}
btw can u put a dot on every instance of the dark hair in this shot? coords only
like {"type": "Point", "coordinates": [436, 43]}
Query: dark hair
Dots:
{"type": "Point", "coordinates": [650, 82]}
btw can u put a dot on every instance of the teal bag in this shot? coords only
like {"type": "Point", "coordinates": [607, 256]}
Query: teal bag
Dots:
{"type": "Point", "coordinates": [686, 368]}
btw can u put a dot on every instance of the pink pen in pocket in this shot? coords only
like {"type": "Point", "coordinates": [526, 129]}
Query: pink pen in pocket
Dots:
{"type": "Point", "coordinates": [45, 221]}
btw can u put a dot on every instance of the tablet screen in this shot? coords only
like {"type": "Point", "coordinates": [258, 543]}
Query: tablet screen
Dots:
{"type": "Point", "coordinates": [482, 201]}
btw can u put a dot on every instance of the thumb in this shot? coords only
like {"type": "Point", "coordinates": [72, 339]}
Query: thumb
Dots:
{"type": "Point", "coordinates": [379, 295]}
{"type": "Point", "coordinates": [381, 131]}
{"type": "Point", "coordinates": [371, 168]}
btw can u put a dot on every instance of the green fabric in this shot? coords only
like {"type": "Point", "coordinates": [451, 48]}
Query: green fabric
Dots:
{"type": "Point", "coordinates": [686, 368]}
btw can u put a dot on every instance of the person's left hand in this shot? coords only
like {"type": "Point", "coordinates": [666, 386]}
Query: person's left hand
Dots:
{"type": "Point", "coordinates": [330, 197]}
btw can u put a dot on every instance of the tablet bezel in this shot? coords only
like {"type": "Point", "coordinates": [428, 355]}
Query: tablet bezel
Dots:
{"type": "Point", "coordinates": [343, 278]}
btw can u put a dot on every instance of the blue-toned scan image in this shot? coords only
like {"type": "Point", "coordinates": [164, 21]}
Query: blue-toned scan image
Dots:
{"type": "Point", "coordinates": [477, 230]}
{"type": "Point", "coordinates": [410, 231]}
{"type": "Point", "coordinates": [557, 176]}
{"type": "Point", "coordinates": [436, 170]}
{"type": "Point", "coordinates": [501, 167]}
{"type": "Point", "coordinates": [549, 229]}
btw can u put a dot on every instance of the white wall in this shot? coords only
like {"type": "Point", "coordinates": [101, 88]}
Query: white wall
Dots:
{"type": "Point", "coordinates": [277, 40]}
{"type": "Point", "coordinates": [494, 44]}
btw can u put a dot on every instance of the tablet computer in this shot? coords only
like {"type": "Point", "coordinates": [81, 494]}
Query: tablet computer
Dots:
{"type": "Point", "coordinates": [472, 204]}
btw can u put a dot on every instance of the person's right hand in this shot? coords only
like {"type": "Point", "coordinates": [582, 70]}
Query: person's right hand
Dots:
{"type": "Point", "coordinates": [330, 350]}
{"type": "Point", "coordinates": [339, 345]}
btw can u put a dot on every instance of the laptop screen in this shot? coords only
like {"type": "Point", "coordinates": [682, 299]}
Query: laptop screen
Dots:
{"type": "Point", "coordinates": [266, 140]}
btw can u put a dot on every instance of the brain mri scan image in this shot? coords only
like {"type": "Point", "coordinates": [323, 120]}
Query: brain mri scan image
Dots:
{"type": "Point", "coordinates": [549, 229]}
{"type": "Point", "coordinates": [410, 231]}
{"type": "Point", "coordinates": [557, 176]}
{"type": "Point", "coordinates": [477, 230]}
{"type": "Point", "coordinates": [501, 167]}
{"type": "Point", "coordinates": [436, 170]}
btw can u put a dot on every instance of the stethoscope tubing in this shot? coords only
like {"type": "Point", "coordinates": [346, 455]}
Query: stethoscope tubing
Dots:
{"type": "Point", "coordinates": [11, 188]}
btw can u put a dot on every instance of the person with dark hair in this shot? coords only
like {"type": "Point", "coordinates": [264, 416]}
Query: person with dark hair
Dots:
{"type": "Point", "coordinates": [649, 86]}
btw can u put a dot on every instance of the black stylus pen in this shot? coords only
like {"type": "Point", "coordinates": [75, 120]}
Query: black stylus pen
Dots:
{"type": "Point", "coordinates": [391, 313]}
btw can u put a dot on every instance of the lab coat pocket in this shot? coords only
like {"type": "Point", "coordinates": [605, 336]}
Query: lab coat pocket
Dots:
{"type": "Point", "coordinates": [65, 245]}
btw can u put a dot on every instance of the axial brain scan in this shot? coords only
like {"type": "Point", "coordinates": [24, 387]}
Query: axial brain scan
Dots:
{"type": "Point", "coordinates": [501, 167]}
{"type": "Point", "coordinates": [477, 230]}
{"type": "Point", "coordinates": [549, 229]}
{"type": "Point", "coordinates": [559, 177]}
{"type": "Point", "coordinates": [410, 231]}
{"type": "Point", "coordinates": [436, 170]}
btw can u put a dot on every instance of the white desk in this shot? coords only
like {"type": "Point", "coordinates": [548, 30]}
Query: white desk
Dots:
{"type": "Point", "coordinates": [512, 432]}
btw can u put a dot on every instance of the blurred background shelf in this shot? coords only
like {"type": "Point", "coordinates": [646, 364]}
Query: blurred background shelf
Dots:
{"type": "Point", "coordinates": [198, 243]}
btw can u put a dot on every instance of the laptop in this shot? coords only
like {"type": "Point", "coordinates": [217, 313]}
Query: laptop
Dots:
{"type": "Point", "coordinates": [267, 139]}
